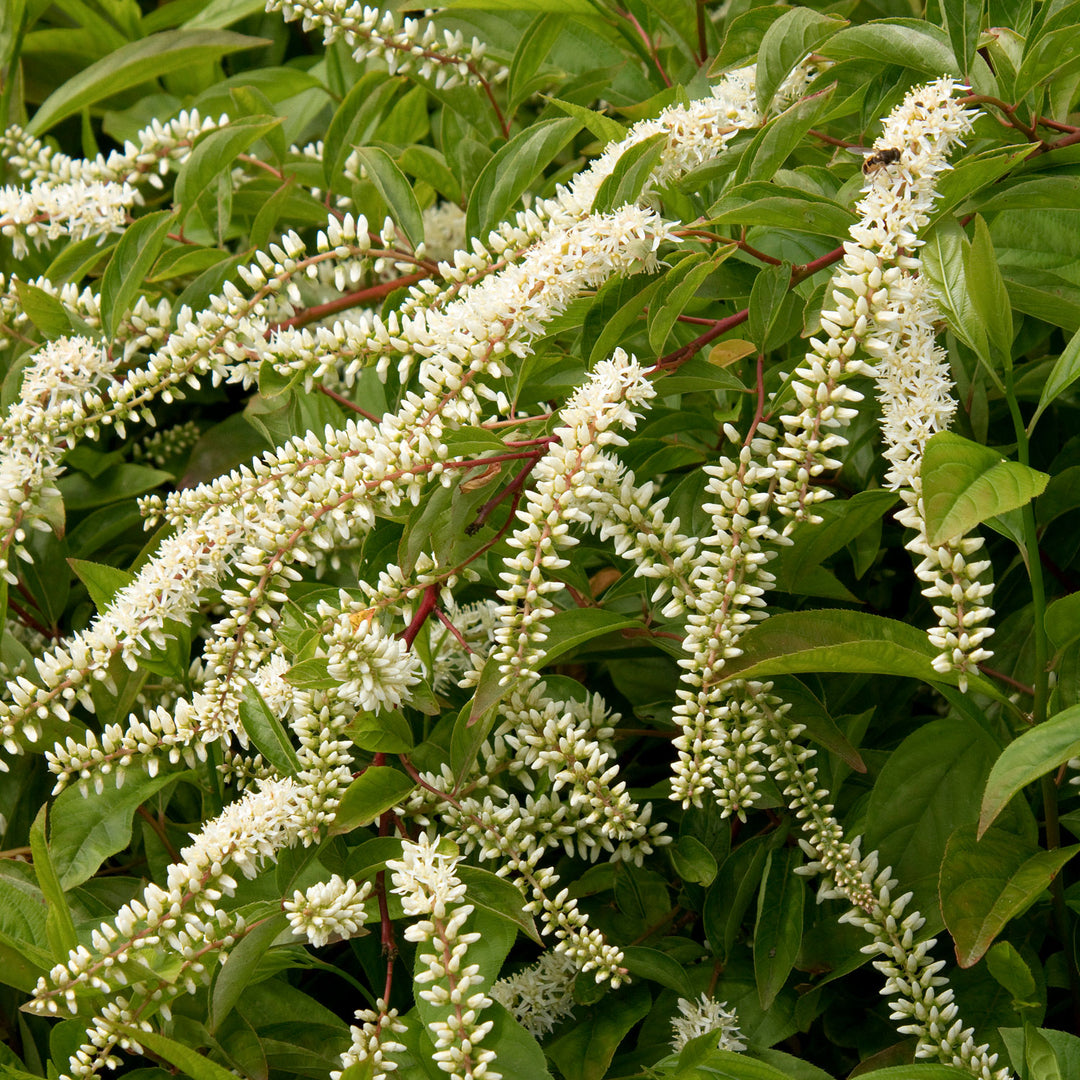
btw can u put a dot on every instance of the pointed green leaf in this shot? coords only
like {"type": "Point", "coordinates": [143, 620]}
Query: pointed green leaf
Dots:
{"type": "Point", "coordinates": [266, 732]}
{"type": "Point", "coordinates": [841, 641]}
{"type": "Point", "coordinates": [59, 926]}
{"type": "Point", "coordinates": [43, 310]}
{"type": "Point", "coordinates": [189, 1062]}
{"type": "Point", "coordinates": [513, 170]}
{"type": "Point", "coordinates": [988, 292]}
{"type": "Point", "coordinates": [627, 179]}
{"type": "Point", "coordinates": [962, 19]}
{"type": "Point", "coordinates": [569, 629]}
{"type": "Point", "coordinates": [964, 483]}
{"type": "Point", "coordinates": [381, 169]}
{"type": "Point", "coordinates": [1039, 1056]}
{"type": "Point", "coordinates": [657, 966]}
{"type": "Point", "coordinates": [984, 883]}
{"type": "Point", "coordinates": [693, 861]}
{"type": "Point", "coordinates": [584, 1052]}
{"type": "Point", "coordinates": [373, 792]}
{"type": "Point", "coordinates": [779, 926]}
{"type": "Point", "coordinates": [86, 829]}
{"type": "Point", "coordinates": [943, 262]}
{"type": "Point", "coordinates": [130, 264]}
{"type": "Point", "coordinates": [498, 896]}
{"type": "Point", "coordinates": [138, 62]}
{"type": "Point", "coordinates": [928, 787]}
{"type": "Point", "coordinates": [385, 732]}
{"type": "Point", "coordinates": [1034, 754]}
{"type": "Point", "coordinates": [102, 581]}
{"type": "Point", "coordinates": [912, 43]}
{"type": "Point", "coordinates": [213, 155]}
{"type": "Point", "coordinates": [603, 127]}
{"type": "Point", "coordinates": [233, 979]}
{"type": "Point", "coordinates": [796, 33]}
{"type": "Point", "coordinates": [1063, 374]}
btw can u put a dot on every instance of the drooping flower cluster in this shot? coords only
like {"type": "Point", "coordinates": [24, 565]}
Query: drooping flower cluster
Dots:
{"type": "Point", "coordinates": [912, 370]}
{"type": "Point", "coordinates": [703, 1016]}
{"type": "Point", "coordinates": [329, 909]}
{"type": "Point", "coordinates": [78, 209]}
{"type": "Point", "coordinates": [541, 995]}
{"type": "Point", "coordinates": [414, 46]}
{"type": "Point", "coordinates": [425, 880]}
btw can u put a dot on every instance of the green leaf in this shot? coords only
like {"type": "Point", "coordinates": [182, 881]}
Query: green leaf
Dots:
{"type": "Point", "coordinates": [616, 311]}
{"type": "Point", "coordinates": [760, 203]}
{"type": "Point", "coordinates": [943, 261]}
{"type": "Point", "coordinates": [472, 727]}
{"type": "Point", "coordinates": [189, 1062]}
{"type": "Point", "coordinates": [103, 582]}
{"type": "Point", "coordinates": [386, 732]}
{"type": "Point", "coordinates": [214, 154]}
{"type": "Point", "coordinates": [373, 792]}
{"type": "Point", "coordinates": [43, 310]}
{"type": "Point", "coordinates": [513, 170]}
{"type": "Point", "coordinates": [397, 192]}
{"type": "Point", "coordinates": [1011, 971]}
{"type": "Point", "coordinates": [1039, 1056]}
{"type": "Point", "coordinates": [697, 375]}
{"type": "Point", "coordinates": [239, 970]}
{"type": "Point", "coordinates": [988, 292]}
{"type": "Point", "coordinates": [87, 829]}
{"type": "Point", "coordinates": [646, 963]}
{"type": "Point", "coordinates": [626, 181]}
{"type": "Point", "coordinates": [221, 13]}
{"type": "Point", "coordinates": [842, 522]}
{"type": "Point", "coordinates": [603, 127]}
{"type": "Point", "coordinates": [677, 289]}
{"type": "Point", "coordinates": [133, 64]}
{"type": "Point", "coordinates": [927, 788]}
{"type": "Point", "coordinates": [59, 926]}
{"type": "Point", "coordinates": [1063, 374]}
{"type": "Point", "coordinates": [962, 18]}
{"type": "Point", "coordinates": [355, 121]}
{"type": "Point", "coordinates": [796, 33]}
{"type": "Point", "coordinates": [910, 43]}
{"type": "Point", "coordinates": [585, 1051]}
{"type": "Point", "coordinates": [266, 732]}
{"type": "Point", "coordinates": [125, 481]}
{"type": "Point", "coordinates": [311, 674]}
{"type": "Point", "coordinates": [779, 926]}
{"type": "Point", "coordinates": [1035, 753]}
{"type": "Point", "coordinates": [985, 883]}
{"type": "Point", "coordinates": [538, 40]}
{"type": "Point", "coordinates": [1062, 621]}
{"type": "Point", "coordinates": [964, 483]}
{"type": "Point", "coordinates": [775, 142]}
{"type": "Point", "coordinates": [23, 934]}
{"type": "Point", "coordinates": [569, 629]}
{"type": "Point", "coordinates": [701, 1059]}
{"type": "Point", "coordinates": [693, 861]}
{"type": "Point", "coordinates": [1054, 47]}
{"type": "Point", "coordinates": [131, 261]}
{"type": "Point", "coordinates": [772, 307]}
{"type": "Point", "coordinates": [499, 897]}
{"type": "Point", "coordinates": [845, 642]}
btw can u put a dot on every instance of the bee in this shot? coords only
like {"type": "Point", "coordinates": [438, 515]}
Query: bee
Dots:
{"type": "Point", "coordinates": [880, 159]}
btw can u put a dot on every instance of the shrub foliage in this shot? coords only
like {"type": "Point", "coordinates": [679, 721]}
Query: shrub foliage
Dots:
{"type": "Point", "coordinates": [501, 507]}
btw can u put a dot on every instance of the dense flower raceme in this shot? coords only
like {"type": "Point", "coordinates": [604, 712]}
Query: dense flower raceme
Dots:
{"type": "Point", "coordinates": [414, 46]}
{"type": "Point", "coordinates": [704, 1016]}
{"type": "Point", "coordinates": [77, 209]}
